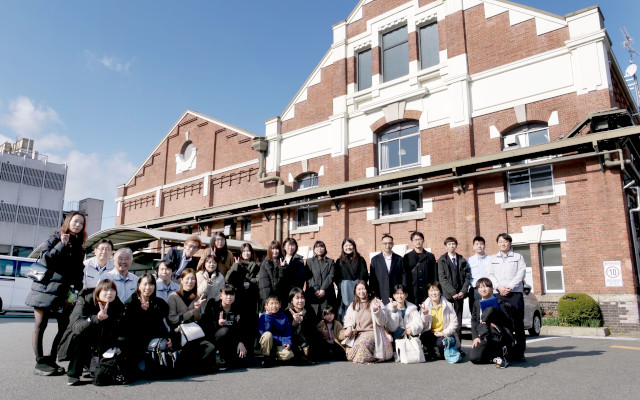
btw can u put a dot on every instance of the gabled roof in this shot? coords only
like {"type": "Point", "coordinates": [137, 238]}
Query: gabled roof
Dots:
{"type": "Point", "coordinates": [195, 114]}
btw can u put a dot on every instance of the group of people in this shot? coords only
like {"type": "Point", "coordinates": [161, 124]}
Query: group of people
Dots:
{"type": "Point", "coordinates": [215, 310]}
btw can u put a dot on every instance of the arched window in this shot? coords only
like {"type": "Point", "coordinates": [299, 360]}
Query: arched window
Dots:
{"type": "Point", "coordinates": [399, 146]}
{"type": "Point", "coordinates": [307, 181]}
{"type": "Point", "coordinates": [534, 182]}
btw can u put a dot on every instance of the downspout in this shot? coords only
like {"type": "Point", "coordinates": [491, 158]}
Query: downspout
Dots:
{"type": "Point", "coordinates": [279, 226]}
{"type": "Point", "coordinates": [632, 223]}
{"type": "Point", "coordinates": [261, 145]}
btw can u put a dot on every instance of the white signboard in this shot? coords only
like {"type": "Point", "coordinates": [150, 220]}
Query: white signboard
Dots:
{"type": "Point", "coordinates": [612, 273]}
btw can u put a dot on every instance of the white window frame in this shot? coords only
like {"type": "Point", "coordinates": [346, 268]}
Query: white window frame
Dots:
{"type": "Point", "coordinates": [519, 138]}
{"type": "Point", "coordinates": [381, 141]}
{"type": "Point", "coordinates": [310, 208]}
{"type": "Point", "coordinates": [551, 268]}
{"type": "Point", "coordinates": [400, 191]}
{"type": "Point", "coordinates": [311, 176]}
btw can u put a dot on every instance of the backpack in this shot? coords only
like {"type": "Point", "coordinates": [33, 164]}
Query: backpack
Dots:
{"type": "Point", "coordinates": [109, 372]}
{"type": "Point", "coordinates": [160, 360]}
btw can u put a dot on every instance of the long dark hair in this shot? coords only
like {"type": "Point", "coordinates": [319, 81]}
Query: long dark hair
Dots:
{"type": "Point", "coordinates": [293, 242]}
{"type": "Point", "coordinates": [349, 257]}
{"type": "Point", "coordinates": [151, 279]}
{"type": "Point", "coordinates": [222, 252]}
{"type": "Point", "coordinates": [192, 293]}
{"type": "Point", "coordinates": [319, 243]}
{"type": "Point", "coordinates": [356, 300]}
{"type": "Point", "coordinates": [64, 228]}
{"type": "Point", "coordinates": [247, 246]}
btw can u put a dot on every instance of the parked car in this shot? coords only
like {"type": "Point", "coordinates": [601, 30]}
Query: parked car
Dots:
{"type": "Point", "coordinates": [14, 285]}
{"type": "Point", "coordinates": [532, 313]}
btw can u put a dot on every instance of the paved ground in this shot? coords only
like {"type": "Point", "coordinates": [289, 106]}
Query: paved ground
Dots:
{"type": "Point", "coordinates": [556, 367]}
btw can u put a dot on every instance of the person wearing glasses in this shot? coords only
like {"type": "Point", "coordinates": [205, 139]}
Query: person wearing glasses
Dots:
{"type": "Point", "coordinates": [386, 271]}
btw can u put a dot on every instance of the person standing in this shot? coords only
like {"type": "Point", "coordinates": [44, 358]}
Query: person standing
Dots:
{"type": "Point", "coordinates": [62, 255]}
{"type": "Point", "coordinates": [506, 271]}
{"type": "Point", "coordinates": [453, 274]}
{"type": "Point", "coordinates": [179, 260]}
{"type": "Point", "coordinates": [218, 247]}
{"type": "Point", "coordinates": [387, 271]}
{"type": "Point", "coordinates": [349, 269]}
{"type": "Point", "coordinates": [321, 270]}
{"type": "Point", "coordinates": [96, 266]}
{"type": "Point", "coordinates": [421, 264]}
{"type": "Point", "coordinates": [477, 268]}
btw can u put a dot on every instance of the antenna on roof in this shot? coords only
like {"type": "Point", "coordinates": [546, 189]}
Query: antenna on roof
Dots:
{"type": "Point", "coordinates": [630, 74]}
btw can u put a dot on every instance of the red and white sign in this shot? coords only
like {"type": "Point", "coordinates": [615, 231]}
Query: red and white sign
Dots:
{"type": "Point", "coordinates": [612, 273]}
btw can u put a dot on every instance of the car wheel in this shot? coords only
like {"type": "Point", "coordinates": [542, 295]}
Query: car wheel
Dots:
{"type": "Point", "coordinates": [1, 312]}
{"type": "Point", "coordinates": [536, 326]}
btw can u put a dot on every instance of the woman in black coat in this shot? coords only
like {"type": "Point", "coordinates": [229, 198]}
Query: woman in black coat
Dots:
{"type": "Point", "coordinates": [62, 255]}
{"type": "Point", "coordinates": [95, 327]}
{"type": "Point", "coordinates": [320, 291]}
{"type": "Point", "coordinates": [349, 269]}
{"type": "Point", "coordinates": [145, 320]}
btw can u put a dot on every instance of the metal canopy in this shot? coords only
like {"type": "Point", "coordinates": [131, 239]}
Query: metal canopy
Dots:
{"type": "Point", "coordinates": [126, 236]}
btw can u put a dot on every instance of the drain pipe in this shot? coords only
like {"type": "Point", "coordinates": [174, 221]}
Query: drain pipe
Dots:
{"type": "Point", "coordinates": [261, 145]}
{"type": "Point", "coordinates": [632, 223]}
{"type": "Point", "coordinates": [625, 165]}
{"type": "Point", "coordinates": [279, 226]}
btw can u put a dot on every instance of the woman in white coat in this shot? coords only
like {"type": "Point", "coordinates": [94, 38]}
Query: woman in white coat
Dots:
{"type": "Point", "coordinates": [404, 317]}
{"type": "Point", "coordinates": [364, 324]}
{"type": "Point", "coordinates": [439, 319]}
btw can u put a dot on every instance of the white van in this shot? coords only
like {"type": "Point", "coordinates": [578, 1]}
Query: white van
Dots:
{"type": "Point", "coordinates": [14, 285]}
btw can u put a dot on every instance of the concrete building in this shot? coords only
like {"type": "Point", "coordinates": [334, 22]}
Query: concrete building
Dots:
{"type": "Point", "coordinates": [31, 197]}
{"type": "Point", "coordinates": [451, 117]}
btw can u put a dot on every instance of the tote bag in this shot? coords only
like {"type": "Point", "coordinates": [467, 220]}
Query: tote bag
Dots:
{"type": "Point", "coordinates": [409, 350]}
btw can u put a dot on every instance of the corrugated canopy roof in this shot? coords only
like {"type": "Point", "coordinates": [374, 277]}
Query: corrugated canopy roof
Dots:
{"type": "Point", "coordinates": [126, 236]}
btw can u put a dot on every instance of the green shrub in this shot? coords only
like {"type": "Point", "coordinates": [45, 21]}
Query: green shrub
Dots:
{"type": "Point", "coordinates": [576, 309]}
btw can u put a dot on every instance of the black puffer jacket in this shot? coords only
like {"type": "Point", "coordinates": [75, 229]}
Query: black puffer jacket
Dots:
{"type": "Point", "coordinates": [98, 336]}
{"type": "Point", "coordinates": [64, 269]}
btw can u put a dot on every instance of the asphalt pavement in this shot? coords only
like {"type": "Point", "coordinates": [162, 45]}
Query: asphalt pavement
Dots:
{"type": "Point", "coordinates": [556, 367]}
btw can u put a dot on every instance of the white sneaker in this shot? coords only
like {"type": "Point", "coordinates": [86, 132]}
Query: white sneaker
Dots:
{"type": "Point", "coordinates": [500, 362]}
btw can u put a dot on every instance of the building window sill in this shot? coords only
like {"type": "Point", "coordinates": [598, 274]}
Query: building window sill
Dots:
{"type": "Point", "coordinates": [400, 218]}
{"type": "Point", "coordinates": [531, 203]}
{"type": "Point", "coordinates": [306, 229]}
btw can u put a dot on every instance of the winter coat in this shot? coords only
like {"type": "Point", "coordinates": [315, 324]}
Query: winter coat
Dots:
{"type": "Point", "coordinates": [411, 319]}
{"type": "Point", "coordinates": [98, 336]}
{"type": "Point", "coordinates": [223, 263]}
{"type": "Point", "coordinates": [278, 325]}
{"type": "Point", "coordinates": [211, 290]}
{"type": "Point", "coordinates": [380, 319]}
{"type": "Point", "coordinates": [500, 317]}
{"type": "Point", "coordinates": [449, 318]}
{"type": "Point", "coordinates": [145, 325]}
{"type": "Point", "coordinates": [304, 333]}
{"type": "Point", "coordinates": [179, 312]}
{"type": "Point", "coordinates": [423, 271]}
{"type": "Point", "coordinates": [278, 280]}
{"type": "Point", "coordinates": [64, 269]}
{"type": "Point", "coordinates": [320, 275]}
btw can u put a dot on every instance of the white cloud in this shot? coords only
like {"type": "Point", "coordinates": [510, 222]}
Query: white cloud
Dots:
{"type": "Point", "coordinates": [115, 64]}
{"type": "Point", "coordinates": [27, 119]}
{"type": "Point", "coordinates": [112, 62]}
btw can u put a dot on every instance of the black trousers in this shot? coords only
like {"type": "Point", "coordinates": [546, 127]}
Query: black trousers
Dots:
{"type": "Point", "coordinates": [485, 352]}
{"type": "Point", "coordinates": [516, 300]}
{"type": "Point", "coordinates": [458, 306]}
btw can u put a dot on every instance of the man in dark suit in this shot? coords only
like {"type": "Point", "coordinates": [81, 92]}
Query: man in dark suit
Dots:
{"type": "Point", "coordinates": [386, 271]}
{"type": "Point", "coordinates": [421, 265]}
{"type": "Point", "coordinates": [453, 274]}
{"type": "Point", "coordinates": [179, 260]}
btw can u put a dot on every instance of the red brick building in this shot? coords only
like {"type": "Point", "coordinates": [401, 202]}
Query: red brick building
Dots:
{"type": "Point", "coordinates": [451, 117]}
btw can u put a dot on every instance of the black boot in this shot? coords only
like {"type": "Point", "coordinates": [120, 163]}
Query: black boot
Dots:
{"type": "Point", "coordinates": [43, 368]}
{"type": "Point", "coordinates": [52, 362]}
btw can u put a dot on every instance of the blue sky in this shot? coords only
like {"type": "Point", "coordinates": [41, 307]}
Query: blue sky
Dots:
{"type": "Point", "coordinates": [97, 84]}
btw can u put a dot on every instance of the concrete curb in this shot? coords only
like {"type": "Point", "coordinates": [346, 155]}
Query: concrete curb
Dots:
{"type": "Point", "coordinates": [574, 331]}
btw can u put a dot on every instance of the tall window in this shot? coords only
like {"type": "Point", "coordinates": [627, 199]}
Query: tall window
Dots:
{"type": "Point", "coordinates": [363, 62]}
{"type": "Point", "coordinates": [399, 145]}
{"type": "Point", "coordinates": [552, 271]}
{"type": "Point", "coordinates": [401, 201]}
{"type": "Point", "coordinates": [395, 54]}
{"type": "Point", "coordinates": [533, 182]}
{"type": "Point", "coordinates": [246, 228]}
{"type": "Point", "coordinates": [429, 46]}
{"type": "Point", "coordinates": [307, 181]}
{"type": "Point", "coordinates": [307, 215]}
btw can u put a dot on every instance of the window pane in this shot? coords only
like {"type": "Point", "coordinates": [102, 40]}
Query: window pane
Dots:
{"type": "Point", "coordinates": [390, 203]}
{"type": "Point", "coordinates": [525, 251]}
{"type": "Point", "coordinates": [551, 255]}
{"type": "Point", "coordinates": [302, 216]}
{"type": "Point", "coordinates": [313, 215]}
{"type": "Point", "coordinates": [539, 137]}
{"type": "Point", "coordinates": [519, 185]}
{"type": "Point", "coordinates": [541, 181]}
{"type": "Point", "coordinates": [395, 37]}
{"type": "Point", "coordinates": [364, 69]}
{"type": "Point", "coordinates": [6, 268]}
{"type": "Point", "coordinates": [390, 155]}
{"type": "Point", "coordinates": [553, 279]}
{"type": "Point", "coordinates": [410, 150]}
{"type": "Point", "coordinates": [429, 46]}
{"type": "Point", "coordinates": [395, 62]}
{"type": "Point", "coordinates": [411, 200]}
